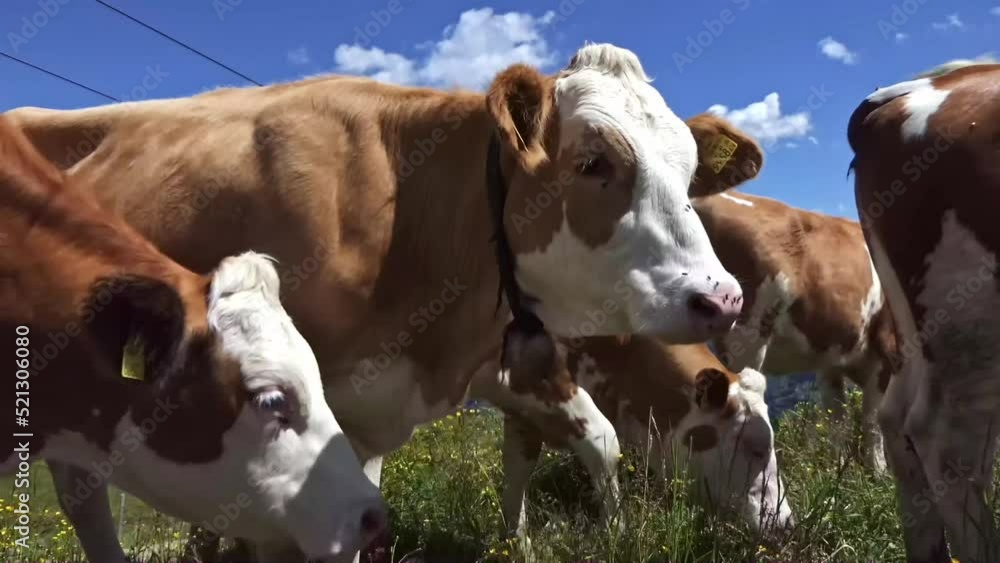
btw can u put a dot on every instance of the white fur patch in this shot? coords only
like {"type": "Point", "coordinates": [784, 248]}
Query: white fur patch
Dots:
{"type": "Point", "coordinates": [921, 104]}
{"type": "Point", "coordinates": [960, 297]}
{"type": "Point", "coordinates": [735, 199]}
{"type": "Point", "coordinates": [588, 275]}
{"type": "Point", "coordinates": [902, 389]}
{"type": "Point", "coordinates": [887, 93]}
{"type": "Point", "coordinates": [873, 301]}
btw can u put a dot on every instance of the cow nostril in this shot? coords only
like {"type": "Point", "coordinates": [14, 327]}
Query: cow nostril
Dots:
{"type": "Point", "coordinates": [704, 306]}
{"type": "Point", "coordinates": [372, 521]}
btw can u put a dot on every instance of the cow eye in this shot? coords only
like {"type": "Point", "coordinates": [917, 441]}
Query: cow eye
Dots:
{"type": "Point", "coordinates": [272, 402]}
{"type": "Point", "coordinates": [596, 166]}
{"type": "Point", "coordinates": [758, 453]}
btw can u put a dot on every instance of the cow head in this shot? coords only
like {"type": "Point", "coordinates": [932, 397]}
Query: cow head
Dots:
{"type": "Point", "coordinates": [731, 446]}
{"type": "Point", "coordinates": [236, 434]}
{"type": "Point", "coordinates": [598, 213]}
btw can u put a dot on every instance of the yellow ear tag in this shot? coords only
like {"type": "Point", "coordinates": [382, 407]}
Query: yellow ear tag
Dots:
{"type": "Point", "coordinates": [722, 150]}
{"type": "Point", "coordinates": [133, 362]}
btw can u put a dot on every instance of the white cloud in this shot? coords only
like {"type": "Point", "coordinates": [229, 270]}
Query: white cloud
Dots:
{"type": "Point", "coordinates": [952, 21]}
{"type": "Point", "coordinates": [995, 11]}
{"type": "Point", "coordinates": [837, 51]}
{"type": "Point", "coordinates": [791, 145]}
{"type": "Point", "coordinates": [813, 140]}
{"type": "Point", "coordinates": [374, 62]}
{"type": "Point", "coordinates": [469, 54]}
{"type": "Point", "coordinates": [299, 56]}
{"type": "Point", "coordinates": [764, 121]}
{"type": "Point", "coordinates": [900, 37]}
{"type": "Point", "coordinates": [842, 207]}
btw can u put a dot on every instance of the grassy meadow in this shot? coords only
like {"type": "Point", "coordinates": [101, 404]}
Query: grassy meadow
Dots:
{"type": "Point", "coordinates": [444, 493]}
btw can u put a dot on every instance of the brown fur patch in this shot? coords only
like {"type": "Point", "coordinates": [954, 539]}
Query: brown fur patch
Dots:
{"type": "Point", "coordinates": [558, 429]}
{"type": "Point", "coordinates": [654, 377]}
{"type": "Point", "coordinates": [712, 388]}
{"type": "Point", "coordinates": [596, 203]}
{"type": "Point", "coordinates": [962, 136]}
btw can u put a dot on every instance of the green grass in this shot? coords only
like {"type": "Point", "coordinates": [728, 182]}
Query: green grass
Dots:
{"type": "Point", "coordinates": [444, 492]}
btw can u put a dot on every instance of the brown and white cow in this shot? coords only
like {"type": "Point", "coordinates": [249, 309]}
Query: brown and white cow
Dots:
{"type": "Point", "coordinates": [222, 419]}
{"type": "Point", "coordinates": [812, 301]}
{"type": "Point", "coordinates": [381, 196]}
{"type": "Point", "coordinates": [665, 399]}
{"type": "Point", "coordinates": [927, 183]}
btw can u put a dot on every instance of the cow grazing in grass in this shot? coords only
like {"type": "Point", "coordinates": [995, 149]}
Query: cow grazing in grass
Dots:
{"type": "Point", "coordinates": [812, 302]}
{"type": "Point", "coordinates": [669, 400]}
{"type": "Point", "coordinates": [221, 419]}
{"type": "Point", "coordinates": [927, 184]}
{"type": "Point", "coordinates": [386, 201]}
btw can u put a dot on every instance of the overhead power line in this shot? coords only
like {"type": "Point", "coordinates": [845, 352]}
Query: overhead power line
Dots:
{"type": "Point", "coordinates": [178, 42]}
{"type": "Point", "coordinates": [60, 77]}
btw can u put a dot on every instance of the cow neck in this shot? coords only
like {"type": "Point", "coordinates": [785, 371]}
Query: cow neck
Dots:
{"type": "Point", "coordinates": [525, 321]}
{"type": "Point", "coordinates": [57, 215]}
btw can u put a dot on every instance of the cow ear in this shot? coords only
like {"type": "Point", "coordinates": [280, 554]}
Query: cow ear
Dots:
{"type": "Point", "coordinates": [520, 100]}
{"type": "Point", "coordinates": [727, 157]}
{"type": "Point", "coordinates": [711, 389]}
{"type": "Point", "coordinates": [137, 323]}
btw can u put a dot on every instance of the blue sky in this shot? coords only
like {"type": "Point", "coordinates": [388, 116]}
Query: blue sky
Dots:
{"type": "Point", "coordinates": [790, 72]}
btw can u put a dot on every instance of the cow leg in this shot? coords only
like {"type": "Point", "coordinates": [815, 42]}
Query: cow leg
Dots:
{"type": "Point", "coordinates": [832, 394]}
{"type": "Point", "coordinates": [521, 447]}
{"type": "Point", "coordinates": [90, 516]}
{"type": "Point", "coordinates": [600, 451]}
{"type": "Point", "coordinates": [833, 399]}
{"type": "Point", "coordinates": [958, 451]}
{"type": "Point", "coordinates": [574, 419]}
{"type": "Point", "coordinates": [923, 528]}
{"type": "Point", "coordinates": [871, 398]}
{"type": "Point", "coordinates": [743, 347]}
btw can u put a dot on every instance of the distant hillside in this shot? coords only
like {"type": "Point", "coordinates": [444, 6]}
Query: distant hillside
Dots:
{"type": "Point", "coordinates": [784, 392]}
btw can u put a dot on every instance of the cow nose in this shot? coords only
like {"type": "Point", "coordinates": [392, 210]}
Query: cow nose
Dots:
{"type": "Point", "coordinates": [718, 310]}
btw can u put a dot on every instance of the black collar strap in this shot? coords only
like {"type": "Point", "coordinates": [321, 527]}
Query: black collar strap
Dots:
{"type": "Point", "coordinates": [524, 321]}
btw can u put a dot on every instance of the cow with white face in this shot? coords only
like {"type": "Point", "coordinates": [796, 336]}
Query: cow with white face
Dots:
{"type": "Point", "coordinates": [672, 400]}
{"type": "Point", "coordinates": [195, 393]}
{"type": "Point", "coordinates": [385, 200]}
{"type": "Point", "coordinates": [812, 302]}
{"type": "Point", "coordinates": [614, 166]}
